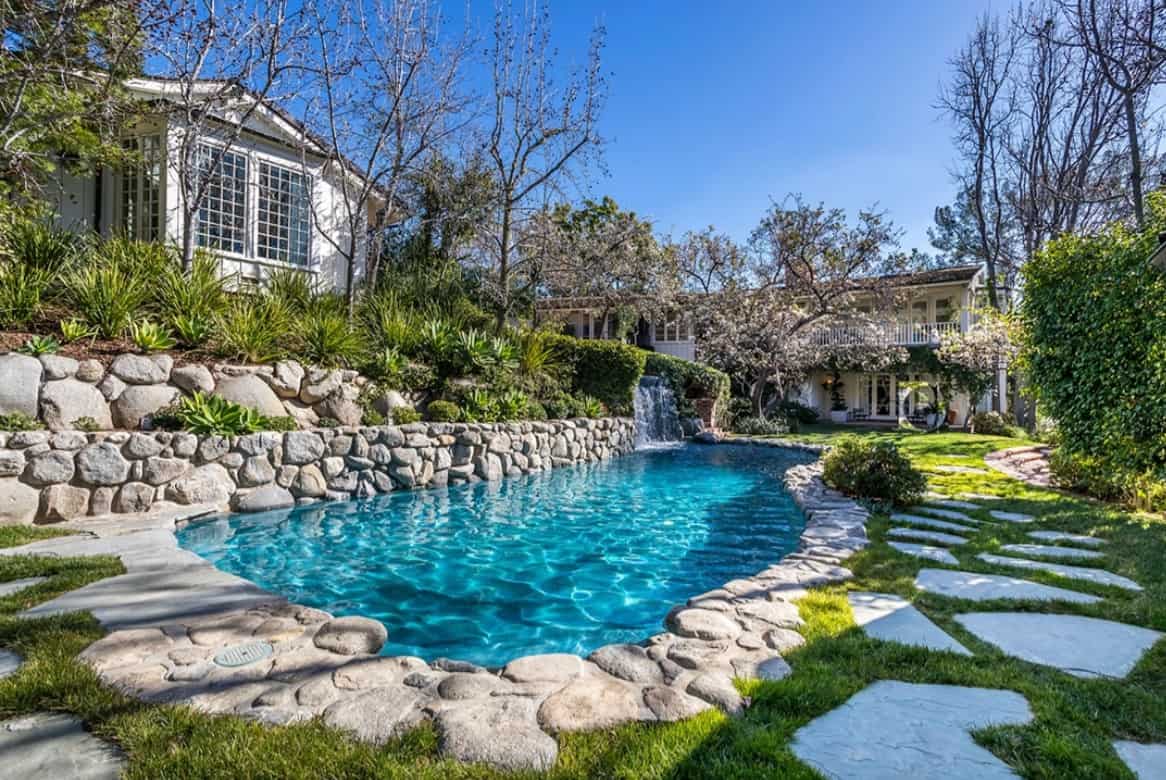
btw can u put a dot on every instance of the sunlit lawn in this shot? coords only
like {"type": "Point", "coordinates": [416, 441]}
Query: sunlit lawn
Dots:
{"type": "Point", "coordinates": [1075, 720]}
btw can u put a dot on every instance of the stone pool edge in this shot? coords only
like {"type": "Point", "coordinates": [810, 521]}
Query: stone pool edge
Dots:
{"type": "Point", "coordinates": [162, 644]}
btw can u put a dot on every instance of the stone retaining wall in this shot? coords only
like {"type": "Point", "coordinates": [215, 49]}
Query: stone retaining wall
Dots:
{"type": "Point", "coordinates": [60, 390]}
{"type": "Point", "coordinates": [48, 476]}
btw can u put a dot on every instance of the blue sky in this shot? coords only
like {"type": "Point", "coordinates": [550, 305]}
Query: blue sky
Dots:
{"type": "Point", "coordinates": [715, 108]}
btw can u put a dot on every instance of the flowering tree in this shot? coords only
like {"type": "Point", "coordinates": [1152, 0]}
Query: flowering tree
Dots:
{"type": "Point", "coordinates": [973, 358]}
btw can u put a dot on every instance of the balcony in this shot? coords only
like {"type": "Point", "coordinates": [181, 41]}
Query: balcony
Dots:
{"type": "Point", "coordinates": [905, 334]}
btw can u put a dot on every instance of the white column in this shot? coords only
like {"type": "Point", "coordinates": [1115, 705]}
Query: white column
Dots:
{"type": "Point", "coordinates": [1002, 389]}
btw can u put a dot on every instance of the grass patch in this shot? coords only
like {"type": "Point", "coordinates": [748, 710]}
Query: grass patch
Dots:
{"type": "Point", "coordinates": [16, 535]}
{"type": "Point", "coordinates": [1074, 720]}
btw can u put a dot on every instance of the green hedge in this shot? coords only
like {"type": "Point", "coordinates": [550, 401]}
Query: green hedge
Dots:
{"type": "Point", "coordinates": [607, 370]}
{"type": "Point", "coordinates": [690, 380]}
{"type": "Point", "coordinates": [1094, 317]}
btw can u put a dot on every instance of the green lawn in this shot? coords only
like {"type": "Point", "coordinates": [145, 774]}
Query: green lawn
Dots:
{"type": "Point", "coordinates": [1070, 737]}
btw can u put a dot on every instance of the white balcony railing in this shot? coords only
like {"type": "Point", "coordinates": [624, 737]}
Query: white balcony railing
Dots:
{"type": "Point", "coordinates": [883, 333]}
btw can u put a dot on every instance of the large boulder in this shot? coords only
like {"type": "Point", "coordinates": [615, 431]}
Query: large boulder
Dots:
{"type": "Point", "coordinates": [64, 502]}
{"type": "Point", "coordinates": [20, 377]}
{"type": "Point", "coordinates": [253, 392]}
{"type": "Point", "coordinates": [209, 484]}
{"type": "Point", "coordinates": [140, 401]}
{"type": "Point", "coordinates": [18, 502]}
{"type": "Point", "coordinates": [263, 499]}
{"type": "Point", "coordinates": [65, 401]}
{"type": "Point", "coordinates": [194, 378]}
{"type": "Point", "coordinates": [342, 406]}
{"type": "Point", "coordinates": [102, 464]}
{"type": "Point", "coordinates": [319, 384]}
{"type": "Point", "coordinates": [286, 378]}
{"type": "Point", "coordinates": [351, 636]}
{"type": "Point", "coordinates": [301, 447]}
{"type": "Point", "coordinates": [390, 400]}
{"type": "Point", "coordinates": [140, 370]}
{"type": "Point", "coordinates": [58, 366]}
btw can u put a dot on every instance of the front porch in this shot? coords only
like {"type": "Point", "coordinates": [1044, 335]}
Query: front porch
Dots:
{"type": "Point", "coordinates": [878, 399]}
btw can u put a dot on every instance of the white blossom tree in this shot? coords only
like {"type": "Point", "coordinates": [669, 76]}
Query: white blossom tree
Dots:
{"type": "Point", "coordinates": [973, 358]}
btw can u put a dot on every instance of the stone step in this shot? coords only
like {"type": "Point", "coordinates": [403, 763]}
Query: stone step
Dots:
{"type": "Point", "coordinates": [926, 552]}
{"type": "Point", "coordinates": [1080, 646]}
{"type": "Point", "coordinates": [893, 729]}
{"type": "Point", "coordinates": [1050, 551]}
{"type": "Point", "coordinates": [49, 745]}
{"type": "Point", "coordinates": [1147, 762]}
{"type": "Point", "coordinates": [984, 497]}
{"type": "Point", "coordinates": [944, 469]}
{"type": "Point", "coordinates": [990, 587]}
{"type": "Point", "coordinates": [1058, 536]}
{"type": "Point", "coordinates": [930, 522]}
{"type": "Point", "coordinates": [951, 503]}
{"type": "Point", "coordinates": [1011, 517]}
{"type": "Point", "coordinates": [1085, 574]}
{"type": "Point", "coordinates": [893, 619]}
{"type": "Point", "coordinates": [926, 536]}
{"type": "Point", "coordinates": [946, 514]}
{"type": "Point", "coordinates": [15, 586]}
{"type": "Point", "coordinates": [9, 663]}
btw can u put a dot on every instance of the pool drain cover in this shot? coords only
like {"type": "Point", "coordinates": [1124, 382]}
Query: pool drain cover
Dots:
{"type": "Point", "coordinates": [241, 655]}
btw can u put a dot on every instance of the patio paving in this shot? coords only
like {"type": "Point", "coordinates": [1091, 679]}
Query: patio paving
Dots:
{"type": "Point", "coordinates": [1059, 536]}
{"type": "Point", "coordinates": [895, 729]}
{"type": "Point", "coordinates": [1011, 517]}
{"type": "Point", "coordinates": [893, 619]}
{"type": "Point", "coordinates": [1096, 576]}
{"type": "Point", "coordinates": [946, 514]}
{"type": "Point", "coordinates": [926, 552]}
{"type": "Point", "coordinates": [990, 587]}
{"type": "Point", "coordinates": [951, 503]}
{"type": "Point", "coordinates": [930, 522]}
{"type": "Point", "coordinates": [927, 536]}
{"type": "Point", "coordinates": [1080, 646]}
{"type": "Point", "coordinates": [49, 745]}
{"type": "Point", "coordinates": [1051, 551]}
{"type": "Point", "coordinates": [1147, 762]}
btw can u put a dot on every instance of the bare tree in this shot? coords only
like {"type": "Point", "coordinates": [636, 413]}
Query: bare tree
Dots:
{"type": "Point", "coordinates": [387, 96]}
{"type": "Point", "coordinates": [979, 102]}
{"type": "Point", "coordinates": [706, 259]}
{"type": "Point", "coordinates": [224, 61]}
{"type": "Point", "coordinates": [537, 133]}
{"type": "Point", "coordinates": [1127, 39]}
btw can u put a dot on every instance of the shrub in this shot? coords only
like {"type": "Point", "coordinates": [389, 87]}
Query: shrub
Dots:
{"type": "Point", "coordinates": [151, 337]}
{"type": "Point", "coordinates": [75, 330]}
{"type": "Point", "coordinates": [193, 330]}
{"type": "Point", "coordinates": [799, 412]}
{"type": "Point", "coordinates": [282, 423]}
{"type": "Point", "coordinates": [874, 470]}
{"type": "Point", "coordinates": [146, 261]}
{"type": "Point", "coordinates": [592, 407]}
{"type": "Point", "coordinates": [991, 424]}
{"type": "Point", "coordinates": [87, 424]}
{"type": "Point", "coordinates": [326, 338]}
{"type": "Point", "coordinates": [39, 245]}
{"type": "Point", "coordinates": [108, 297]}
{"type": "Point", "coordinates": [535, 411]}
{"type": "Point", "coordinates": [252, 329]}
{"type": "Point", "coordinates": [512, 405]}
{"type": "Point", "coordinates": [606, 370]}
{"type": "Point", "coordinates": [386, 364]}
{"type": "Point", "coordinates": [443, 411]}
{"type": "Point", "coordinates": [479, 406]}
{"type": "Point", "coordinates": [23, 292]}
{"type": "Point", "coordinates": [760, 426]}
{"type": "Point", "coordinates": [211, 414]}
{"type": "Point", "coordinates": [194, 296]}
{"type": "Point", "coordinates": [40, 345]}
{"type": "Point", "coordinates": [19, 421]}
{"type": "Point", "coordinates": [403, 415]}
{"type": "Point", "coordinates": [296, 290]}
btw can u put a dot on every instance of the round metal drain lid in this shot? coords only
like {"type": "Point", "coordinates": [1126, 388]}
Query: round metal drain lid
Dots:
{"type": "Point", "coordinates": [241, 655]}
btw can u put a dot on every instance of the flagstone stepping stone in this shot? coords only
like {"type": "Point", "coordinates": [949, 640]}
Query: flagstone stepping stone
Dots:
{"type": "Point", "coordinates": [931, 522]}
{"type": "Point", "coordinates": [893, 619]}
{"type": "Point", "coordinates": [926, 536]}
{"type": "Point", "coordinates": [990, 587]}
{"type": "Point", "coordinates": [1085, 574]}
{"type": "Point", "coordinates": [980, 497]}
{"type": "Point", "coordinates": [15, 586]}
{"type": "Point", "coordinates": [9, 663]}
{"type": "Point", "coordinates": [1080, 646]}
{"type": "Point", "coordinates": [952, 503]}
{"type": "Point", "coordinates": [1011, 517]}
{"type": "Point", "coordinates": [1058, 536]}
{"type": "Point", "coordinates": [894, 729]}
{"type": "Point", "coordinates": [927, 552]}
{"type": "Point", "coordinates": [1050, 551]}
{"type": "Point", "coordinates": [958, 470]}
{"type": "Point", "coordinates": [52, 745]}
{"type": "Point", "coordinates": [1147, 762]}
{"type": "Point", "coordinates": [948, 514]}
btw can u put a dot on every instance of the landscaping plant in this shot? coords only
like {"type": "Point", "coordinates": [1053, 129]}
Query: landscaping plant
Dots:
{"type": "Point", "coordinates": [874, 470]}
{"type": "Point", "coordinates": [151, 337]}
{"type": "Point", "coordinates": [40, 345]}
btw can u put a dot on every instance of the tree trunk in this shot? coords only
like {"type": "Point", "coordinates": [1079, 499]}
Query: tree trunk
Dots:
{"type": "Point", "coordinates": [187, 241]}
{"type": "Point", "coordinates": [504, 269]}
{"type": "Point", "coordinates": [350, 278]}
{"type": "Point", "coordinates": [1135, 159]}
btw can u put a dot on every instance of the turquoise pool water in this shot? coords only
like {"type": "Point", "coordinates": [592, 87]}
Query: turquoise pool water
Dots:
{"type": "Point", "coordinates": [564, 561]}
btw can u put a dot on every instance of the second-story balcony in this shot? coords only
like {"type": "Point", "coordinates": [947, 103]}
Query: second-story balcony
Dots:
{"type": "Point", "coordinates": [906, 334]}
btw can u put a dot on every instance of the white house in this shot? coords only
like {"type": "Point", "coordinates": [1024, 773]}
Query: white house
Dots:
{"type": "Point", "coordinates": [935, 302]}
{"type": "Point", "coordinates": [273, 196]}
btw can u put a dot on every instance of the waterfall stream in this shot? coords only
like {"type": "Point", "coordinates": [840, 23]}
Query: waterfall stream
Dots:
{"type": "Point", "coordinates": [656, 417]}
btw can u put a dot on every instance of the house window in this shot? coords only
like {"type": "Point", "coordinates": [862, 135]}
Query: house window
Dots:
{"type": "Point", "coordinates": [945, 310]}
{"type": "Point", "coordinates": [673, 328]}
{"type": "Point", "coordinates": [222, 218]}
{"type": "Point", "coordinates": [141, 189]}
{"type": "Point", "coordinates": [284, 223]}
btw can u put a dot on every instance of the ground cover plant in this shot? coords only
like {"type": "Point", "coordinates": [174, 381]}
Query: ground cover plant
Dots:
{"type": "Point", "coordinates": [1075, 719]}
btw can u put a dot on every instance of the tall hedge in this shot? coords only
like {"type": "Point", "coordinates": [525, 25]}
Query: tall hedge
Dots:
{"type": "Point", "coordinates": [1094, 315]}
{"type": "Point", "coordinates": [690, 380]}
{"type": "Point", "coordinates": [607, 370]}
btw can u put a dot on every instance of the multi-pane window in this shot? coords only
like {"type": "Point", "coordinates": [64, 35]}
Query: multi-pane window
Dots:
{"type": "Point", "coordinates": [141, 189]}
{"type": "Point", "coordinates": [673, 328]}
{"type": "Point", "coordinates": [222, 217]}
{"type": "Point", "coordinates": [945, 310]}
{"type": "Point", "coordinates": [284, 219]}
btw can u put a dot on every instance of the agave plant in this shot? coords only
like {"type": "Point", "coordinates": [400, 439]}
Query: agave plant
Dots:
{"type": "Point", "coordinates": [473, 350]}
{"type": "Point", "coordinates": [40, 345]}
{"type": "Point", "coordinates": [512, 405]}
{"type": "Point", "coordinates": [193, 330]}
{"type": "Point", "coordinates": [211, 414]}
{"type": "Point", "coordinates": [479, 406]}
{"type": "Point", "coordinates": [503, 354]}
{"type": "Point", "coordinates": [151, 337]}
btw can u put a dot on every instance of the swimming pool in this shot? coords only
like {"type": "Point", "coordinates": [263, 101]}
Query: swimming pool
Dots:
{"type": "Point", "coordinates": [562, 561]}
